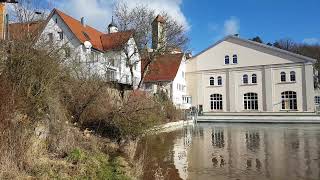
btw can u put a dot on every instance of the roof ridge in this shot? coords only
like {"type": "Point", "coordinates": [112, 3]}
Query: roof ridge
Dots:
{"type": "Point", "coordinates": [65, 14]}
{"type": "Point", "coordinates": [257, 44]}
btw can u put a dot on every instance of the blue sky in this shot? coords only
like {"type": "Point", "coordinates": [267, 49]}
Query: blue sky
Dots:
{"type": "Point", "coordinates": [210, 20]}
{"type": "Point", "coordinates": [269, 19]}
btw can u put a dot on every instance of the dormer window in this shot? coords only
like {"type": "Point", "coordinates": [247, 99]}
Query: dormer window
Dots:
{"type": "Point", "coordinates": [211, 81]}
{"type": "Point", "coordinates": [226, 60]}
{"type": "Point", "coordinates": [235, 59]}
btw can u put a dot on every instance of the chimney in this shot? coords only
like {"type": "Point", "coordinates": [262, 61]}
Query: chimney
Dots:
{"type": "Point", "coordinates": [158, 33]}
{"type": "Point", "coordinates": [83, 22]}
{"type": "Point", "coordinates": [2, 20]}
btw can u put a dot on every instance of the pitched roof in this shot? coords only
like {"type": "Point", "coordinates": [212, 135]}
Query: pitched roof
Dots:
{"type": "Point", "coordinates": [115, 41]}
{"type": "Point", "coordinates": [99, 40]}
{"type": "Point", "coordinates": [83, 33]}
{"type": "Point", "coordinates": [275, 50]}
{"type": "Point", "coordinates": [160, 19]}
{"type": "Point", "coordinates": [164, 68]}
{"type": "Point", "coordinates": [19, 30]}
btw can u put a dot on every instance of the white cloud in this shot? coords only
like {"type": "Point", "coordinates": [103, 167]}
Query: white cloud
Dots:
{"type": "Point", "coordinates": [311, 40]}
{"type": "Point", "coordinates": [231, 26]}
{"type": "Point", "coordinates": [98, 12]}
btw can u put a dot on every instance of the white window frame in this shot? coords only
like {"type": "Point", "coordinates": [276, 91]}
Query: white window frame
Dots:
{"type": "Point", "coordinates": [289, 101]}
{"type": "Point", "coordinates": [250, 101]}
{"type": "Point", "coordinates": [216, 102]}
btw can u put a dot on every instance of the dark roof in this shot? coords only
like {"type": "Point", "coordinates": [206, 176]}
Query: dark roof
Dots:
{"type": "Point", "coordinates": [164, 68]}
{"type": "Point", "coordinates": [159, 18]}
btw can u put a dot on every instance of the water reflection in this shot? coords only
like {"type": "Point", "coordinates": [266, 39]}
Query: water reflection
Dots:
{"type": "Point", "coordinates": [234, 151]}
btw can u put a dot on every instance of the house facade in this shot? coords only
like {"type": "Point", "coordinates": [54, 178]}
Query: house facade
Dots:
{"type": "Point", "coordinates": [237, 75]}
{"type": "Point", "coordinates": [167, 71]}
{"type": "Point", "coordinates": [167, 74]}
{"type": "Point", "coordinates": [103, 53]}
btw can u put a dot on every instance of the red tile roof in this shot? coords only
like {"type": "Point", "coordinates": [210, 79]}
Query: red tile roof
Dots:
{"type": "Point", "coordinates": [164, 68]}
{"type": "Point", "coordinates": [99, 40]}
{"type": "Point", "coordinates": [20, 30]}
{"type": "Point", "coordinates": [80, 31]}
{"type": "Point", "coordinates": [115, 41]}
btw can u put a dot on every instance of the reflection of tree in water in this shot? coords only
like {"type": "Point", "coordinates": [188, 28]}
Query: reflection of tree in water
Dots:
{"type": "Point", "coordinates": [252, 140]}
{"type": "Point", "coordinates": [158, 160]}
{"type": "Point", "coordinates": [217, 138]}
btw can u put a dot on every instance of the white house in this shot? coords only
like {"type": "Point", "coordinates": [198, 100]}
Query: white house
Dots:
{"type": "Point", "coordinates": [101, 52]}
{"type": "Point", "coordinates": [237, 75]}
{"type": "Point", "coordinates": [167, 72]}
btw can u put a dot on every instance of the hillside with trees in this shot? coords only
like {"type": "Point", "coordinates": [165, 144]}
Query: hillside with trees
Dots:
{"type": "Point", "coordinates": [60, 122]}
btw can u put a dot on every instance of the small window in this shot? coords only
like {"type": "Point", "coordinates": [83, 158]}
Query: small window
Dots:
{"type": "Point", "coordinates": [182, 74]}
{"type": "Point", "coordinates": [56, 20]}
{"type": "Point", "coordinates": [292, 76]}
{"type": "Point", "coordinates": [254, 79]}
{"type": "Point", "coordinates": [235, 59]}
{"type": "Point", "coordinates": [211, 81]}
{"type": "Point", "coordinates": [50, 37]}
{"type": "Point", "coordinates": [67, 52]}
{"type": "Point", "coordinates": [219, 80]}
{"type": "Point", "coordinates": [60, 35]}
{"type": "Point", "coordinates": [226, 60]}
{"type": "Point", "coordinates": [245, 79]}
{"type": "Point", "coordinates": [86, 36]}
{"type": "Point", "coordinates": [283, 76]}
{"type": "Point", "coordinates": [317, 100]}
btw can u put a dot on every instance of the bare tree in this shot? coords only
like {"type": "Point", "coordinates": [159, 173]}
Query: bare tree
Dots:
{"type": "Point", "coordinates": [140, 19]}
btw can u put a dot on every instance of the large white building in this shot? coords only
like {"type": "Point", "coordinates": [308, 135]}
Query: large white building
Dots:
{"type": "Point", "coordinates": [237, 75]}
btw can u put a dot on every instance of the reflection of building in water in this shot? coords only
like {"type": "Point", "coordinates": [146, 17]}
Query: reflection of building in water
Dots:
{"type": "Point", "coordinates": [180, 150]}
{"type": "Point", "coordinates": [240, 152]}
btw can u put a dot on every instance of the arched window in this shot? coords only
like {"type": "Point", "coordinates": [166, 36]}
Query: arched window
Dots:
{"type": "Point", "coordinates": [289, 100]}
{"type": "Point", "coordinates": [254, 78]}
{"type": "Point", "coordinates": [235, 59]}
{"type": "Point", "coordinates": [283, 76]}
{"type": "Point", "coordinates": [292, 76]}
{"type": "Point", "coordinates": [226, 60]}
{"type": "Point", "coordinates": [219, 80]}
{"type": "Point", "coordinates": [250, 101]}
{"type": "Point", "coordinates": [216, 102]}
{"type": "Point", "coordinates": [245, 79]}
{"type": "Point", "coordinates": [211, 81]}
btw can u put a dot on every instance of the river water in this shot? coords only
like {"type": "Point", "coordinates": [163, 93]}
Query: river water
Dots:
{"type": "Point", "coordinates": [233, 151]}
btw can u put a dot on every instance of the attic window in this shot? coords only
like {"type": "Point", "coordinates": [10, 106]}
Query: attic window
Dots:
{"type": "Point", "coordinates": [86, 35]}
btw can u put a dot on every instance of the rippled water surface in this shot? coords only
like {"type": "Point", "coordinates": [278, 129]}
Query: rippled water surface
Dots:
{"type": "Point", "coordinates": [233, 151]}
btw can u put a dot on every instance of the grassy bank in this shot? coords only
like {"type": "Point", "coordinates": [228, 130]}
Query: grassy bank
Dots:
{"type": "Point", "coordinates": [58, 121]}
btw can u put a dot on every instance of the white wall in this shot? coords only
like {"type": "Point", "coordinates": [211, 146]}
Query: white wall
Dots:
{"type": "Point", "coordinates": [250, 61]}
{"type": "Point", "coordinates": [78, 52]}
